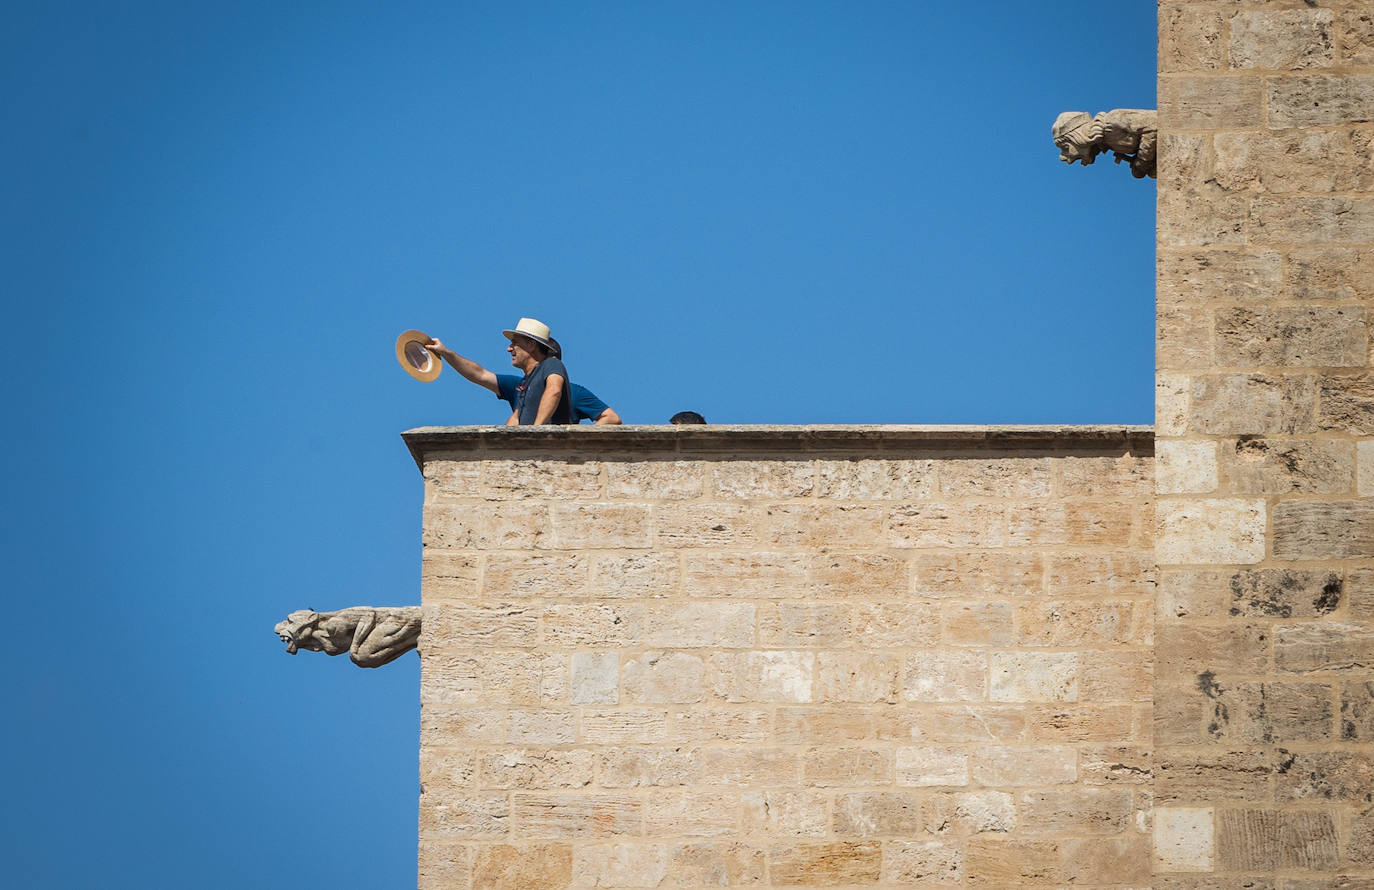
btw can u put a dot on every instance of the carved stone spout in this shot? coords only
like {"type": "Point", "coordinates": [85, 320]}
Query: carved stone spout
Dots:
{"type": "Point", "coordinates": [371, 636]}
{"type": "Point", "coordinates": [1130, 134]}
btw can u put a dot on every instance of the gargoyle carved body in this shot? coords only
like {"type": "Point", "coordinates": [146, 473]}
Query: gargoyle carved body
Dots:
{"type": "Point", "coordinates": [1128, 133]}
{"type": "Point", "coordinates": [371, 636]}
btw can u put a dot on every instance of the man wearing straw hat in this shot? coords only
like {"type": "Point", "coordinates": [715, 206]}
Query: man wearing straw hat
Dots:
{"type": "Point", "coordinates": [544, 395]}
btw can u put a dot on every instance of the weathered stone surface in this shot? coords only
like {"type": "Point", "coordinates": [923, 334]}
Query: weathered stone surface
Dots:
{"type": "Point", "coordinates": [1193, 593]}
{"type": "Point", "coordinates": [751, 767]}
{"type": "Point", "coordinates": [1086, 811]}
{"type": "Point", "coordinates": [1323, 646]}
{"type": "Point", "coordinates": [1209, 103]}
{"type": "Point", "coordinates": [1325, 775]}
{"type": "Point", "coordinates": [446, 867]}
{"type": "Point", "coordinates": [1008, 767]}
{"type": "Point", "coordinates": [593, 624]}
{"type": "Point", "coordinates": [993, 861]}
{"type": "Point", "coordinates": [1263, 840]}
{"type": "Point", "coordinates": [823, 525]}
{"type": "Point", "coordinates": [927, 765]}
{"type": "Point", "coordinates": [805, 725]}
{"type": "Point", "coordinates": [656, 677]}
{"type": "Point", "coordinates": [567, 814]}
{"type": "Point", "coordinates": [1342, 274]}
{"type": "Point", "coordinates": [636, 576]}
{"type": "Point", "coordinates": [1312, 220]}
{"type": "Point", "coordinates": [620, 865]}
{"type": "Point", "coordinates": [857, 677]}
{"type": "Point", "coordinates": [624, 727]}
{"type": "Point", "coordinates": [770, 676]}
{"type": "Point", "coordinates": [646, 767]}
{"type": "Point", "coordinates": [1210, 531]}
{"type": "Point", "coordinates": [522, 866]}
{"type": "Point", "coordinates": [922, 862]}
{"type": "Point", "coordinates": [601, 526]}
{"type": "Point", "coordinates": [1186, 467]}
{"type": "Point", "coordinates": [655, 480]}
{"type": "Point", "coordinates": [1124, 859]}
{"type": "Point", "coordinates": [1204, 215]}
{"type": "Point", "coordinates": [1327, 336]}
{"type": "Point", "coordinates": [1183, 839]}
{"type": "Point", "coordinates": [978, 574]}
{"type": "Point", "coordinates": [977, 624]}
{"type": "Point", "coordinates": [996, 478]}
{"type": "Point", "coordinates": [741, 725]}
{"type": "Point", "coordinates": [1252, 404]}
{"type": "Point", "coordinates": [1115, 676]}
{"type": "Point", "coordinates": [486, 526]}
{"type": "Point", "coordinates": [542, 726]}
{"type": "Point", "coordinates": [448, 575]}
{"type": "Point", "coordinates": [857, 575]}
{"type": "Point", "coordinates": [1225, 277]}
{"type": "Point", "coordinates": [968, 812]}
{"type": "Point", "coordinates": [1364, 469]}
{"type": "Point", "coordinates": [1193, 777]}
{"type": "Point", "coordinates": [1103, 575]}
{"type": "Point", "coordinates": [1356, 29]}
{"type": "Point", "coordinates": [1183, 338]}
{"type": "Point", "coordinates": [1294, 161]}
{"type": "Point", "coordinates": [1269, 713]}
{"type": "Point", "coordinates": [705, 525]}
{"type": "Point", "coordinates": [806, 624]}
{"type": "Point", "coordinates": [946, 677]}
{"type": "Point", "coordinates": [825, 865]}
{"type": "Point", "coordinates": [761, 575]}
{"type": "Point", "coordinates": [1285, 39]}
{"type": "Point", "coordinates": [1184, 652]}
{"type": "Point", "coordinates": [1080, 624]}
{"type": "Point", "coordinates": [1319, 101]}
{"type": "Point", "coordinates": [953, 724]}
{"type": "Point", "coordinates": [1115, 765]}
{"type": "Point", "coordinates": [717, 865]}
{"type": "Point", "coordinates": [693, 625]}
{"type": "Point", "coordinates": [539, 768]}
{"type": "Point", "coordinates": [508, 479]}
{"type": "Point", "coordinates": [884, 480]}
{"type": "Point", "coordinates": [787, 813]}
{"type": "Point", "coordinates": [877, 814]}
{"type": "Point", "coordinates": [1347, 404]}
{"type": "Point", "coordinates": [1281, 466]}
{"type": "Point", "coordinates": [462, 816]}
{"type": "Point", "coordinates": [1357, 711]}
{"type": "Point", "coordinates": [1323, 529]}
{"type": "Point", "coordinates": [894, 625]}
{"type": "Point", "coordinates": [1191, 39]}
{"type": "Point", "coordinates": [1033, 676]}
{"type": "Point", "coordinates": [764, 479]}
{"type": "Point", "coordinates": [1080, 723]}
{"type": "Point", "coordinates": [1285, 593]}
{"type": "Point", "coordinates": [947, 525]}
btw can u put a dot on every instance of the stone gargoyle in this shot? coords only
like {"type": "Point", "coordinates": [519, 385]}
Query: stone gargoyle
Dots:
{"type": "Point", "coordinates": [1128, 133]}
{"type": "Point", "coordinates": [371, 636]}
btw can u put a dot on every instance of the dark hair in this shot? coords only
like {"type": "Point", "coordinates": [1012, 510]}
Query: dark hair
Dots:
{"type": "Point", "coordinates": [682, 417]}
{"type": "Point", "coordinates": [554, 349]}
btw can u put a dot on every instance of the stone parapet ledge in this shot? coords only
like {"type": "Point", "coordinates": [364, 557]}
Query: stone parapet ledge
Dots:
{"type": "Point", "coordinates": [875, 440]}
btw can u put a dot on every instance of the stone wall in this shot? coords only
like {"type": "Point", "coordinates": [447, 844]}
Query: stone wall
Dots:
{"type": "Point", "coordinates": [1265, 685]}
{"type": "Point", "coordinates": [703, 657]}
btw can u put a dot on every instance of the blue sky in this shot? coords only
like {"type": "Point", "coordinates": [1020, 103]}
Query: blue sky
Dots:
{"type": "Point", "coordinates": [217, 217]}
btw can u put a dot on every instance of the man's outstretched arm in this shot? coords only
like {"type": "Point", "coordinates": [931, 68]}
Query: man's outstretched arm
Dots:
{"type": "Point", "coordinates": [465, 366]}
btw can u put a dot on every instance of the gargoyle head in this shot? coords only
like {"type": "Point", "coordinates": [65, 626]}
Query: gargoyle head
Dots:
{"type": "Point", "coordinates": [1073, 136]}
{"type": "Point", "coordinates": [298, 631]}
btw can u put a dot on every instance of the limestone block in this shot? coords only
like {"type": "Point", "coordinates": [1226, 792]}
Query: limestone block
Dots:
{"type": "Point", "coordinates": [1203, 215]}
{"type": "Point", "coordinates": [636, 576]}
{"type": "Point", "coordinates": [894, 625]}
{"type": "Point", "coordinates": [1294, 161]}
{"type": "Point", "coordinates": [823, 525]}
{"type": "Point", "coordinates": [1320, 101]}
{"type": "Point", "coordinates": [861, 677]}
{"type": "Point", "coordinates": [750, 767]}
{"type": "Point", "coordinates": [977, 623]}
{"type": "Point", "coordinates": [1186, 467]}
{"type": "Point", "coordinates": [763, 479]}
{"type": "Point", "coordinates": [448, 575]}
{"type": "Point", "coordinates": [1286, 39]}
{"type": "Point", "coordinates": [507, 479]}
{"type": "Point", "coordinates": [1263, 840]}
{"type": "Point", "coordinates": [1210, 531]}
{"type": "Point", "coordinates": [1359, 592]}
{"type": "Point", "coordinates": [620, 865]}
{"type": "Point", "coordinates": [952, 724]}
{"type": "Point", "coordinates": [765, 676]}
{"type": "Point", "coordinates": [624, 727]}
{"type": "Point", "coordinates": [1101, 723]}
{"type": "Point", "coordinates": [1190, 776]}
{"type": "Point", "coordinates": [804, 624]}
{"type": "Point", "coordinates": [1115, 676]}
{"type": "Point", "coordinates": [664, 677]}
{"type": "Point", "coordinates": [1173, 393]}
{"type": "Point", "coordinates": [648, 767]}
{"type": "Point", "coordinates": [1192, 102]}
{"type": "Point", "coordinates": [1129, 476]}
{"type": "Point", "coordinates": [1252, 404]}
{"type": "Point", "coordinates": [595, 678]}
{"type": "Point", "coordinates": [1212, 881]}
{"type": "Point", "coordinates": [1186, 651]}
{"type": "Point", "coordinates": [538, 768]}
{"type": "Point", "coordinates": [1190, 39]}
{"type": "Point", "coordinates": [702, 724]}
{"type": "Point", "coordinates": [446, 771]}
{"type": "Point", "coordinates": [718, 865]}
{"type": "Point", "coordinates": [1325, 336]}
{"type": "Point", "coordinates": [447, 867]}
{"type": "Point", "coordinates": [825, 865]}
{"type": "Point", "coordinates": [1364, 469]}
{"type": "Point", "coordinates": [568, 814]}
{"type": "Point", "coordinates": [1033, 676]}
{"type": "Point", "coordinates": [705, 525]}
{"type": "Point", "coordinates": [1099, 860]}
{"type": "Point", "coordinates": [658, 480]}
{"type": "Point", "coordinates": [692, 814]}
{"type": "Point", "coordinates": [1347, 404]}
{"type": "Point", "coordinates": [1080, 811]}
{"type": "Point", "coordinates": [969, 812]}
{"type": "Point", "coordinates": [463, 816]}
{"type": "Point", "coordinates": [1324, 775]}
{"type": "Point", "coordinates": [1312, 220]}
{"type": "Point", "coordinates": [542, 726]}
{"type": "Point", "coordinates": [806, 725]}
{"type": "Point", "coordinates": [1071, 624]}
{"type": "Point", "coordinates": [883, 480]}
{"type": "Point", "coordinates": [601, 526]}
{"type": "Point", "coordinates": [978, 574]}
{"type": "Point", "coordinates": [1343, 274]}
{"type": "Point", "coordinates": [1102, 575]}
{"type": "Point", "coordinates": [1193, 593]}
{"type": "Point", "coordinates": [1361, 848]}
{"type": "Point", "coordinates": [1285, 593]}
{"type": "Point", "coordinates": [787, 813]}
{"type": "Point", "coordinates": [1283, 466]}
{"type": "Point", "coordinates": [1322, 646]}
{"type": "Point", "coordinates": [838, 767]}
{"type": "Point", "coordinates": [1272, 713]}
{"type": "Point", "coordinates": [695, 624]}
{"type": "Point", "coordinates": [1356, 30]}
{"type": "Point", "coordinates": [946, 677]}
{"type": "Point", "coordinates": [1010, 767]}
{"type": "Point", "coordinates": [1183, 337]}
{"type": "Point", "coordinates": [863, 814]}
{"type": "Point", "coordinates": [486, 526]}
{"type": "Point", "coordinates": [593, 624]}
{"type": "Point", "coordinates": [522, 866]}
{"type": "Point", "coordinates": [535, 575]}
{"type": "Point", "coordinates": [1226, 277]}
{"type": "Point", "coordinates": [747, 575]}
{"type": "Point", "coordinates": [1115, 765]}
{"type": "Point", "coordinates": [1323, 529]}
{"type": "Point", "coordinates": [932, 765]}
{"type": "Point", "coordinates": [462, 628]}
{"type": "Point", "coordinates": [970, 525]}
{"type": "Point", "coordinates": [913, 863]}
{"type": "Point", "coordinates": [994, 478]}
{"type": "Point", "coordinates": [997, 862]}
{"type": "Point", "coordinates": [1357, 711]}
{"type": "Point", "coordinates": [1184, 838]}
{"type": "Point", "coordinates": [1074, 524]}
{"type": "Point", "coordinates": [857, 575]}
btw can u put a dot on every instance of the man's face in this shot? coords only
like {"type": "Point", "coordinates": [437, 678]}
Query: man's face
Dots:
{"type": "Point", "coordinates": [522, 351]}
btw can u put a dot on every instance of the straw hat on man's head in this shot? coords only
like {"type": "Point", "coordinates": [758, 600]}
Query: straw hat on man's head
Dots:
{"type": "Point", "coordinates": [533, 328]}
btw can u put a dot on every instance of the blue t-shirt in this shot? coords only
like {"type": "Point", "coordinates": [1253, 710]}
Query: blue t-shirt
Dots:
{"type": "Point", "coordinates": [585, 404]}
{"type": "Point", "coordinates": [529, 392]}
